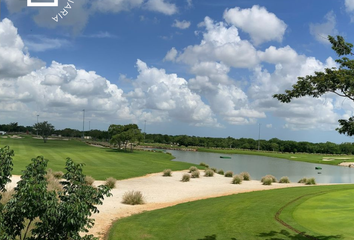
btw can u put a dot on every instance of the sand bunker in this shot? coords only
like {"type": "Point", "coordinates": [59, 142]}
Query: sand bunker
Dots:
{"type": "Point", "coordinates": [160, 192]}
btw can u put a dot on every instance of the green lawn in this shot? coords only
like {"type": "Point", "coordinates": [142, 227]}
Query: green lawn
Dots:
{"type": "Point", "coordinates": [241, 216]}
{"type": "Point", "coordinates": [302, 157]}
{"type": "Point", "coordinates": [100, 163]}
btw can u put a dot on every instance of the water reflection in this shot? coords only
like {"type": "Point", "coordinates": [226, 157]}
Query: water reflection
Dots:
{"type": "Point", "coordinates": [258, 166]}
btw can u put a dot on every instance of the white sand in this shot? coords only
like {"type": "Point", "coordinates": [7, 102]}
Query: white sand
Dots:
{"type": "Point", "coordinates": [347, 164]}
{"type": "Point", "coordinates": [161, 192]}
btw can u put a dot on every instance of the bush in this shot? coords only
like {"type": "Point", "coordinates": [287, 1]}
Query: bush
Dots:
{"type": "Point", "coordinates": [195, 174]}
{"type": "Point", "coordinates": [267, 181]}
{"type": "Point", "coordinates": [310, 181]}
{"type": "Point", "coordinates": [111, 182]}
{"type": "Point", "coordinates": [133, 198]}
{"type": "Point", "coordinates": [229, 174]}
{"type": "Point", "coordinates": [167, 173]}
{"type": "Point", "coordinates": [246, 176]}
{"type": "Point", "coordinates": [204, 165]}
{"type": "Point", "coordinates": [269, 176]}
{"type": "Point", "coordinates": [209, 173]}
{"type": "Point", "coordinates": [193, 168]}
{"type": "Point", "coordinates": [214, 169]}
{"type": "Point", "coordinates": [186, 177]}
{"type": "Point", "coordinates": [89, 180]}
{"type": "Point", "coordinates": [302, 180]}
{"type": "Point", "coordinates": [221, 172]}
{"type": "Point", "coordinates": [237, 179]}
{"type": "Point", "coordinates": [284, 180]}
{"type": "Point", "coordinates": [58, 175]}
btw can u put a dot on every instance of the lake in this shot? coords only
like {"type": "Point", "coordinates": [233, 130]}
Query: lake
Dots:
{"type": "Point", "coordinates": [259, 166]}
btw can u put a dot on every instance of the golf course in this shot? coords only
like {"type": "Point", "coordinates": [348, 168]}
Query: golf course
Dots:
{"type": "Point", "coordinates": [306, 212]}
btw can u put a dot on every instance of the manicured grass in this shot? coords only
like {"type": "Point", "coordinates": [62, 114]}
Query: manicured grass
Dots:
{"type": "Point", "coordinates": [100, 163]}
{"type": "Point", "coordinates": [240, 216]}
{"type": "Point", "coordinates": [301, 157]}
{"type": "Point", "coordinates": [328, 214]}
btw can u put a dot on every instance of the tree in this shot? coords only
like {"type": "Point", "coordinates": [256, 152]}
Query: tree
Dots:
{"type": "Point", "coordinates": [338, 81]}
{"type": "Point", "coordinates": [44, 129]}
{"type": "Point", "coordinates": [124, 134]}
{"type": "Point", "coordinates": [61, 215]}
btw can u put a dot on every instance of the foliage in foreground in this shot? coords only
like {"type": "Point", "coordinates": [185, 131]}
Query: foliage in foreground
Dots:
{"type": "Point", "coordinates": [229, 174]}
{"type": "Point", "coordinates": [284, 180]}
{"type": "Point", "coordinates": [111, 182]}
{"type": "Point", "coordinates": [133, 198]}
{"type": "Point", "coordinates": [310, 181]}
{"type": "Point", "coordinates": [246, 176]}
{"type": "Point", "coordinates": [209, 173]}
{"type": "Point", "coordinates": [267, 181]}
{"type": "Point", "coordinates": [195, 174]}
{"type": "Point", "coordinates": [57, 215]}
{"type": "Point", "coordinates": [269, 176]}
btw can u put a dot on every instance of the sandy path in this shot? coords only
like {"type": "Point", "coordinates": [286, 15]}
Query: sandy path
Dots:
{"type": "Point", "coordinates": [160, 192]}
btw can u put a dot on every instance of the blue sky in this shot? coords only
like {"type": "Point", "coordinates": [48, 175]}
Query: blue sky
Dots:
{"type": "Point", "coordinates": [196, 67]}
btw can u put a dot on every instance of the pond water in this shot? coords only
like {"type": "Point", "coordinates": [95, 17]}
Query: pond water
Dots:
{"type": "Point", "coordinates": [259, 166]}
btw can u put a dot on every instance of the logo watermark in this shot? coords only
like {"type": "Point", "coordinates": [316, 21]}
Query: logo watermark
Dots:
{"type": "Point", "coordinates": [64, 12]}
{"type": "Point", "coordinates": [42, 4]}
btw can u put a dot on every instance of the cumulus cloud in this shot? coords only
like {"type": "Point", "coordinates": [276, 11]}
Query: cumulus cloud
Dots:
{"type": "Point", "coordinates": [158, 91]}
{"type": "Point", "coordinates": [116, 5]}
{"type": "Point", "coordinates": [261, 25]}
{"type": "Point", "coordinates": [349, 4]}
{"type": "Point", "coordinates": [14, 60]}
{"type": "Point", "coordinates": [220, 43]}
{"type": "Point", "coordinates": [171, 55]}
{"type": "Point", "coordinates": [181, 24]}
{"type": "Point", "coordinates": [320, 31]}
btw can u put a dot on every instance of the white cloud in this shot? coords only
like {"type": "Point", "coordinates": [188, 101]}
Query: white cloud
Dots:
{"type": "Point", "coordinates": [14, 61]}
{"type": "Point", "coordinates": [190, 3]}
{"type": "Point", "coordinates": [321, 30]}
{"type": "Point", "coordinates": [269, 125]}
{"type": "Point", "coordinates": [181, 24]}
{"type": "Point", "coordinates": [100, 35]}
{"type": "Point", "coordinates": [40, 43]}
{"type": "Point", "coordinates": [171, 55]}
{"type": "Point", "coordinates": [161, 6]}
{"type": "Point", "coordinates": [262, 25]}
{"type": "Point", "coordinates": [163, 93]}
{"type": "Point", "coordinates": [220, 43]}
{"type": "Point", "coordinates": [349, 4]}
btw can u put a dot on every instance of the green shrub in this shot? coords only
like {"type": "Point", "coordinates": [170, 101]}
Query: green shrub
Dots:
{"type": "Point", "coordinates": [204, 165]}
{"type": "Point", "coordinates": [167, 173]}
{"type": "Point", "coordinates": [246, 176]}
{"type": "Point", "coordinates": [111, 182]}
{"type": "Point", "coordinates": [214, 169]}
{"type": "Point", "coordinates": [229, 174]}
{"type": "Point", "coordinates": [310, 181]}
{"type": "Point", "coordinates": [302, 180]}
{"type": "Point", "coordinates": [269, 176]}
{"type": "Point", "coordinates": [267, 181]}
{"type": "Point", "coordinates": [221, 172]}
{"type": "Point", "coordinates": [193, 168]}
{"type": "Point", "coordinates": [186, 177]}
{"type": "Point", "coordinates": [237, 179]}
{"type": "Point", "coordinates": [209, 173]}
{"type": "Point", "coordinates": [284, 180]}
{"type": "Point", "coordinates": [89, 180]}
{"type": "Point", "coordinates": [195, 174]}
{"type": "Point", "coordinates": [58, 175]}
{"type": "Point", "coordinates": [133, 198]}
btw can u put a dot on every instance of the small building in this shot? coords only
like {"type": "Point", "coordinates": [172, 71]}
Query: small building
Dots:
{"type": "Point", "coordinates": [2, 133]}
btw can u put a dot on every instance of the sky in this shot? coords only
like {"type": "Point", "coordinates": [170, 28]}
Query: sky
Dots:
{"type": "Point", "coordinates": [196, 67]}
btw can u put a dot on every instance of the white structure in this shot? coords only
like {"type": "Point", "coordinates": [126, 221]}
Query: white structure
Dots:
{"type": "Point", "coordinates": [2, 133]}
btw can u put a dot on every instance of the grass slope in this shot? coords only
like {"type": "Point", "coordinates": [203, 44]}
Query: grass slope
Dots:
{"type": "Point", "coordinates": [100, 163]}
{"type": "Point", "coordinates": [327, 214]}
{"type": "Point", "coordinates": [240, 216]}
{"type": "Point", "coordinates": [302, 157]}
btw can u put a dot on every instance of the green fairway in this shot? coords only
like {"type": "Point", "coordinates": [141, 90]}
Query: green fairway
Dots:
{"type": "Point", "coordinates": [241, 216]}
{"type": "Point", "coordinates": [100, 163]}
{"type": "Point", "coordinates": [302, 157]}
{"type": "Point", "coordinates": [329, 214]}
